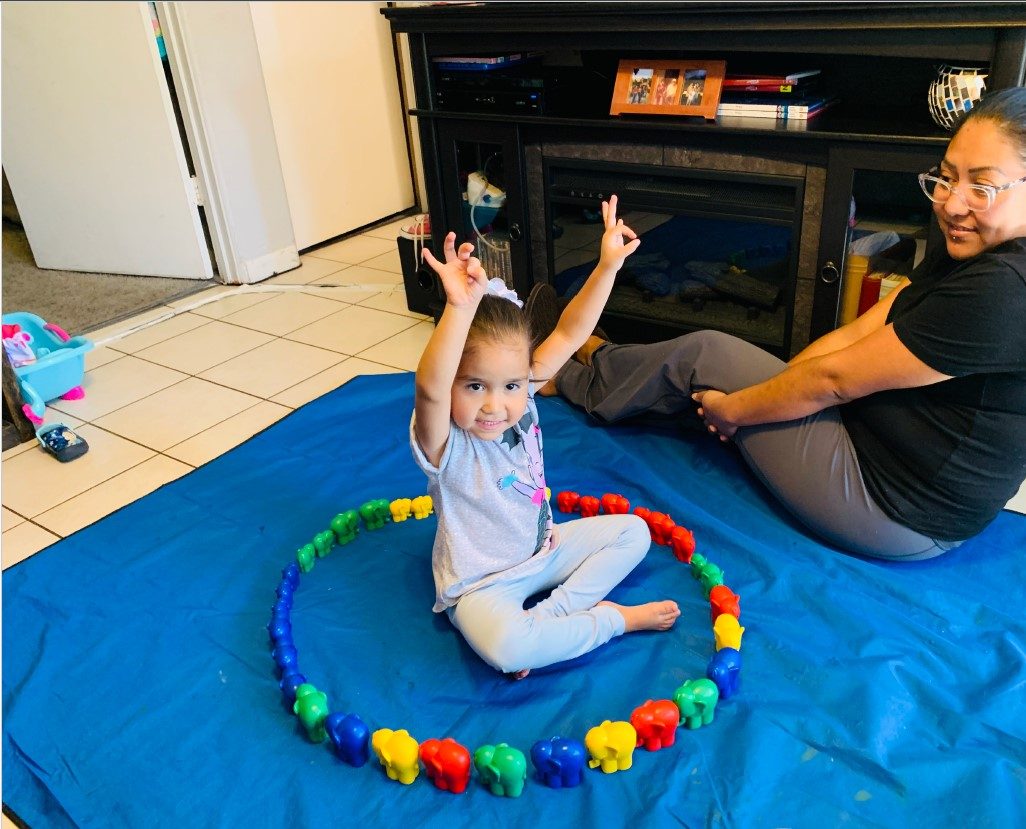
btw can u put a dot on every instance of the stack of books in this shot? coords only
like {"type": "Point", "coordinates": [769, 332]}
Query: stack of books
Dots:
{"type": "Point", "coordinates": [793, 97]}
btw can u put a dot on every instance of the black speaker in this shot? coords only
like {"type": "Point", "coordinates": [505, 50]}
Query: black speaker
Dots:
{"type": "Point", "coordinates": [424, 293]}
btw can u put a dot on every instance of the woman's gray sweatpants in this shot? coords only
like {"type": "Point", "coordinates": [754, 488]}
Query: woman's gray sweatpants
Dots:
{"type": "Point", "coordinates": [809, 464]}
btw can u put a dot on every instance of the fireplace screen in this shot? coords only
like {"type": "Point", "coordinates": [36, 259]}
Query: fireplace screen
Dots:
{"type": "Point", "coordinates": [718, 250]}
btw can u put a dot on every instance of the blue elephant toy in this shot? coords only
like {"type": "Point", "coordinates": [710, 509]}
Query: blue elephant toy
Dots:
{"type": "Point", "coordinates": [725, 670]}
{"type": "Point", "coordinates": [291, 574]}
{"type": "Point", "coordinates": [559, 761]}
{"type": "Point", "coordinates": [285, 656]}
{"type": "Point", "coordinates": [350, 736]}
{"type": "Point", "coordinates": [290, 681]}
{"type": "Point", "coordinates": [280, 628]}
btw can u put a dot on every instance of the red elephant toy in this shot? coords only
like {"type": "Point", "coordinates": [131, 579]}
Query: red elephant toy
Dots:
{"type": "Point", "coordinates": [660, 526]}
{"type": "Point", "coordinates": [723, 600]}
{"type": "Point", "coordinates": [656, 723]}
{"type": "Point", "coordinates": [613, 504]}
{"type": "Point", "coordinates": [447, 763]}
{"type": "Point", "coordinates": [567, 501]}
{"type": "Point", "coordinates": [682, 541]}
{"type": "Point", "coordinates": [589, 505]}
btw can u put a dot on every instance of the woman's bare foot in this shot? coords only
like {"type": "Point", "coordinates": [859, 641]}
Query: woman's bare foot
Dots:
{"type": "Point", "coordinates": [584, 353]}
{"type": "Point", "coordinates": [650, 616]}
{"type": "Point", "coordinates": [518, 675]}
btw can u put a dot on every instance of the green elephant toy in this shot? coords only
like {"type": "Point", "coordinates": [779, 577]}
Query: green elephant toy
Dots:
{"type": "Point", "coordinates": [710, 577]}
{"type": "Point", "coordinates": [503, 769]}
{"type": "Point", "coordinates": [306, 556]}
{"type": "Point", "coordinates": [346, 525]}
{"type": "Point", "coordinates": [323, 542]}
{"type": "Point", "coordinates": [375, 513]}
{"type": "Point", "coordinates": [312, 708]}
{"type": "Point", "coordinates": [697, 699]}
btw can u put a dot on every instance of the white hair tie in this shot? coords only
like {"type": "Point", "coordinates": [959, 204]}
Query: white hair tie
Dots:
{"type": "Point", "coordinates": [496, 287]}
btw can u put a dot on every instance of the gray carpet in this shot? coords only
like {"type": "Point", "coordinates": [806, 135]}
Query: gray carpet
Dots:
{"type": "Point", "coordinates": [80, 302]}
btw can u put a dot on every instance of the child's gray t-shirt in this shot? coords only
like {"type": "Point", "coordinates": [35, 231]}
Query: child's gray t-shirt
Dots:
{"type": "Point", "coordinates": [491, 502]}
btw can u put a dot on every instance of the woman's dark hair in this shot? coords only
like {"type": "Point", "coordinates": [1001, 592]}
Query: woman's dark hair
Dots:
{"type": "Point", "coordinates": [498, 319]}
{"type": "Point", "coordinates": [1007, 110]}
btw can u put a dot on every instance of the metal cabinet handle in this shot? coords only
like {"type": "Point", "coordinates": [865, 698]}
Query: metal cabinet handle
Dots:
{"type": "Point", "coordinates": [514, 232]}
{"type": "Point", "coordinates": [829, 273]}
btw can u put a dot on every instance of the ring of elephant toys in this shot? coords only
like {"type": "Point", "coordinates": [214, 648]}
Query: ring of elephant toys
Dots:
{"type": "Point", "coordinates": [559, 761]}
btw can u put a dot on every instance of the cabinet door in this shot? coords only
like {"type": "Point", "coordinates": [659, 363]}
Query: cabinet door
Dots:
{"type": "Point", "coordinates": [483, 190]}
{"type": "Point", "coordinates": [881, 184]}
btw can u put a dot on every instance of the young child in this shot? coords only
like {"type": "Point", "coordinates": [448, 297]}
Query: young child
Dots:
{"type": "Point", "coordinates": [475, 434]}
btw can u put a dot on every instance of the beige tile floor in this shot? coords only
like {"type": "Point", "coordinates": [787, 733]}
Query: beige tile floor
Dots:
{"type": "Point", "coordinates": [176, 394]}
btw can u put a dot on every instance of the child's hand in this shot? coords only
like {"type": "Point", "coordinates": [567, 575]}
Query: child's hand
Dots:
{"type": "Point", "coordinates": [463, 278]}
{"type": "Point", "coordinates": [614, 251]}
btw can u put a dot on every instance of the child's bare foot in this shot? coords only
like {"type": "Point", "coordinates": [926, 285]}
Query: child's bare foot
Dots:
{"type": "Point", "coordinates": [584, 353]}
{"type": "Point", "coordinates": [518, 675]}
{"type": "Point", "coordinates": [650, 616]}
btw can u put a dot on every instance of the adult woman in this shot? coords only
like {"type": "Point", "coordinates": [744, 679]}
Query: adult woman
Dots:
{"type": "Point", "coordinates": [902, 433]}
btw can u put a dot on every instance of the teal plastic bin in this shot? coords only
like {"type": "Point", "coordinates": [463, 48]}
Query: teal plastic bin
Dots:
{"type": "Point", "coordinates": [58, 369]}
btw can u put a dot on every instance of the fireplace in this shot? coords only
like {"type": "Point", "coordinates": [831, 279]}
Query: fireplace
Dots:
{"type": "Point", "coordinates": [728, 242]}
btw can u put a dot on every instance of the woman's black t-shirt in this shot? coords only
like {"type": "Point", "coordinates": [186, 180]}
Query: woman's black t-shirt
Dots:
{"type": "Point", "coordinates": [944, 459]}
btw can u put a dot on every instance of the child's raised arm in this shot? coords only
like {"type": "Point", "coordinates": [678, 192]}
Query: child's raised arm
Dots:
{"type": "Point", "coordinates": [465, 283]}
{"type": "Point", "coordinates": [581, 315]}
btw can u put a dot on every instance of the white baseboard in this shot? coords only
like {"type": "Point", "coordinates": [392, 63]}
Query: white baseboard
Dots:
{"type": "Point", "coordinates": [278, 261]}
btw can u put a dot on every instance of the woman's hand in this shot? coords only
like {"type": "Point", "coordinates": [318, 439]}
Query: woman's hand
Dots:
{"type": "Point", "coordinates": [613, 249]}
{"type": "Point", "coordinates": [710, 409]}
{"type": "Point", "coordinates": [463, 278]}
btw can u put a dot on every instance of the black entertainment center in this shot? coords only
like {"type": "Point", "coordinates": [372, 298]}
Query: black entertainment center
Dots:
{"type": "Point", "coordinates": [745, 221]}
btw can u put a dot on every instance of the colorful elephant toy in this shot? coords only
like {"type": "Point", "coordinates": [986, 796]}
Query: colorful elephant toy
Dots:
{"type": "Point", "coordinates": [398, 752]}
{"type": "Point", "coordinates": [725, 670]}
{"type": "Point", "coordinates": [559, 761]}
{"type": "Point", "coordinates": [375, 513]}
{"type": "Point", "coordinates": [567, 501]}
{"type": "Point", "coordinates": [345, 526]}
{"type": "Point", "coordinates": [285, 656]}
{"type": "Point", "coordinates": [306, 556]}
{"type": "Point", "coordinates": [696, 699]}
{"type": "Point", "coordinates": [400, 509]}
{"type": "Point", "coordinates": [615, 504]}
{"type": "Point", "coordinates": [447, 763]}
{"type": "Point", "coordinates": [727, 632]}
{"type": "Point", "coordinates": [656, 723]}
{"type": "Point", "coordinates": [660, 526]}
{"type": "Point", "coordinates": [611, 746]}
{"type": "Point", "coordinates": [350, 736]}
{"type": "Point", "coordinates": [422, 506]}
{"type": "Point", "coordinates": [682, 542]}
{"type": "Point", "coordinates": [589, 506]}
{"type": "Point", "coordinates": [502, 768]}
{"type": "Point", "coordinates": [323, 542]}
{"type": "Point", "coordinates": [724, 600]}
{"type": "Point", "coordinates": [706, 572]}
{"type": "Point", "coordinates": [290, 682]}
{"type": "Point", "coordinates": [311, 707]}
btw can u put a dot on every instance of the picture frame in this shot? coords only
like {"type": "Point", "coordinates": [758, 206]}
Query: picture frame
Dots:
{"type": "Point", "coordinates": [668, 87]}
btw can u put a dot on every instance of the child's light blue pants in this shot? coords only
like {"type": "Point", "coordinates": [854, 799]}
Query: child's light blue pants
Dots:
{"type": "Point", "coordinates": [593, 556]}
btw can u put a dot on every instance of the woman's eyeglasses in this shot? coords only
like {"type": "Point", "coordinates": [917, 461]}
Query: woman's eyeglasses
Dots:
{"type": "Point", "coordinates": [977, 197]}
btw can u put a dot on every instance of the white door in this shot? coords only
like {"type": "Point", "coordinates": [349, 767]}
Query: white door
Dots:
{"type": "Point", "coordinates": [332, 85]}
{"type": "Point", "coordinates": [90, 143]}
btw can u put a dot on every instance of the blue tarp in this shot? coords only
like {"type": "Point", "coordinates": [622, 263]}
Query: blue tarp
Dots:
{"type": "Point", "coordinates": [139, 690]}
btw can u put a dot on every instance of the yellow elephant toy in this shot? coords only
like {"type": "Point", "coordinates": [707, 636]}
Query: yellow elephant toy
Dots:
{"type": "Point", "coordinates": [400, 509]}
{"type": "Point", "coordinates": [611, 746]}
{"type": "Point", "coordinates": [398, 752]}
{"type": "Point", "coordinates": [422, 506]}
{"type": "Point", "coordinates": [727, 632]}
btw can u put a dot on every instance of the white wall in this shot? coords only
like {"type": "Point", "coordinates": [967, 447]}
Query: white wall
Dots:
{"type": "Point", "coordinates": [333, 89]}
